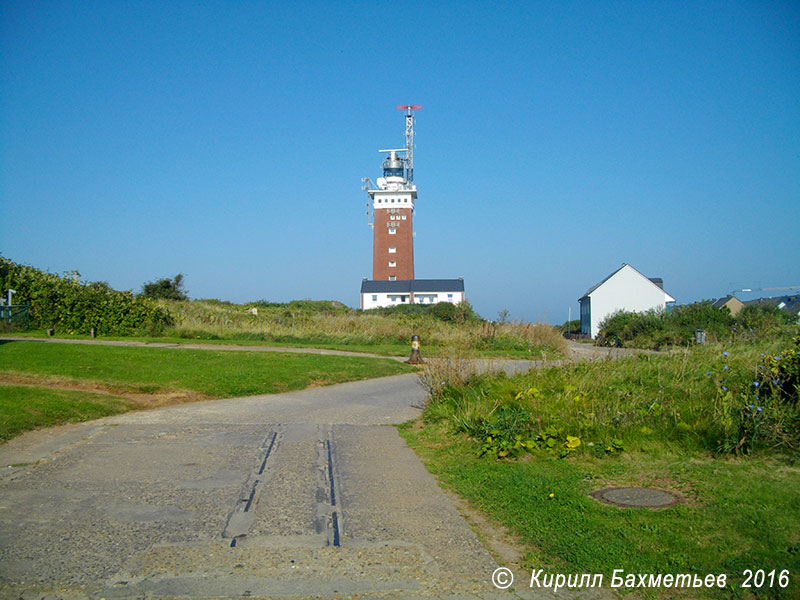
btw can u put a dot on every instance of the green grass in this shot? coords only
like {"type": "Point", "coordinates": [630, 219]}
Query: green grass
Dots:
{"type": "Point", "coordinates": [206, 373]}
{"type": "Point", "coordinates": [23, 408]}
{"type": "Point", "coordinates": [739, 514]}
{"type": "Point", "coordinates": [213, 373]}
{"type": "Point", "coordinates": [655, 420]}
{"type": "Point", "coordinates": [381, 349]}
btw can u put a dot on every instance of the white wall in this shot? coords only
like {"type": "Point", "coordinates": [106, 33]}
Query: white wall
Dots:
{"type": "Point", "coordinates": [384, 299]}
{"type": "Point", "coordinates": [627, 290]}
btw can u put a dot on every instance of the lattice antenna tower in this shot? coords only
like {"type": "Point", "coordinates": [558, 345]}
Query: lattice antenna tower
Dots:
{"type": "Point", "coordinates": [409, 158]}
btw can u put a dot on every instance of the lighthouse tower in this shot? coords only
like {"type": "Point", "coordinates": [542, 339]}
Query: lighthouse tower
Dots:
{"type": "Point", "coordinates": [392, 203]}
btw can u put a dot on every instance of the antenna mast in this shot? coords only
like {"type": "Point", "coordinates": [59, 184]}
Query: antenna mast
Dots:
{"type": "Point", "coordinates": [409, 158]}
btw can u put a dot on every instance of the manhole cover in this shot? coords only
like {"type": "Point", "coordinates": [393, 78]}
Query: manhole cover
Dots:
{"type": "Point", "coordinates": [636, 497]}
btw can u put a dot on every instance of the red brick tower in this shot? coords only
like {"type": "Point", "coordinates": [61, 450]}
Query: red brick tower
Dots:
{"type": "Point", "coordinates": [393, 209]}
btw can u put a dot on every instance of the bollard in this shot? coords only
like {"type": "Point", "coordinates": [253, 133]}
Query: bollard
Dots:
{"type": "Point", "coordinates": [416, 357]}
{"type": "Point", "coordinates": [51, 332]}
{"type": "Point", "coordinates": [699, 336]}
{"type": "Point", "coordinates": [93, 333]}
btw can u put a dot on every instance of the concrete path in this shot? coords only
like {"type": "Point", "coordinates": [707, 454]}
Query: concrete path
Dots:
{"type": "Point", "coordinates": [300, 495]}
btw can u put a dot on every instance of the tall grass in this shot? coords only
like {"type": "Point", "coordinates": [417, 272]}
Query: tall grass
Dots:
{"type": "Point", "coordinates": [333, 323]}
{"type": "Point", "coordinates": [733, 398]}
{"type": "Point", "coordinates": [658, 328]}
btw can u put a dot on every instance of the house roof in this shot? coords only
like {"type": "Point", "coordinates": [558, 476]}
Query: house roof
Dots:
{"type": "Point", "coordinates": [656, 281]}
{"type": "Point", "coordinates": [406, 286]}
{"type": "Point", "coordinates": [723, 301]}
{"type": "Point", "coordinates": [790, 304]}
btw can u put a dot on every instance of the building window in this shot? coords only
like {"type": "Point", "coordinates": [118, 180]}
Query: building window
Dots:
{"type": "Point", "coordinates": [392, 278]}
{"type": "Point", "coordinates": [374, 297]}
{"type": "Point", "coordinates": [393, 298]}
{"type": "Point", "coordinates": [392, 231]}
{"type": "Point", "coordinates": [392, 263]}
{"type": "Point", "coordinates": [404, 217]}
{"type": "Point", "coordinates": [392, 250]}
{"type": "Point", "coordinates": [449, 296]}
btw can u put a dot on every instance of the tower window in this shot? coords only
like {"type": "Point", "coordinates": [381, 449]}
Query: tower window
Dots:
{"type": "Point", "coordinates": [392, 263]}
{"type": "Point", "coordinates": [404, 217]}
{"type": "Point", "coordinates": [392, 250]}
{"type": "Point", "coordinates": [392, 231]}
{"type": "Point", "coordinates": [392, 278]}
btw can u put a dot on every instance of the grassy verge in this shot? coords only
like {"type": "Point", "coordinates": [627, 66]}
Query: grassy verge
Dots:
{"type": "Point", "coordinates": [528, 451]}
{"type": "Point", "coordinates": [381, 349]}
{"type": "Point", "coordinates": [23, 408]}
{"type": "Point", "coordinates": [205, 373]}
{"type": "Point", "coordinates": [738, 514]}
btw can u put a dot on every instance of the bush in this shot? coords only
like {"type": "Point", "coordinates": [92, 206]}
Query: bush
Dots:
{"type": "Point", "coordinates": [165, 289]}
{"type": "Point", "coordinates": [759, 319]}
{"type": "Point", "coordinates": [656, 329]}
{"type": "Point", "coordinates": [571, 327]}
{"type": "Point", "coordinates": [761, 411]}
{"type": "Point", "coordinates": [70, 306]}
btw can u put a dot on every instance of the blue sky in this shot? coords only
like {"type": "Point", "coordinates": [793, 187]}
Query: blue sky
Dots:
{"type": "Point", "coordinates": [227, 141]}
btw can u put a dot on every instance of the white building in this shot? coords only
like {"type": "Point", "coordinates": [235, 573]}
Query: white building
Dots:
{"type": "Point", "coordinates": [375, 294]}
{"type": "Point", "coordinates": [626, 289]}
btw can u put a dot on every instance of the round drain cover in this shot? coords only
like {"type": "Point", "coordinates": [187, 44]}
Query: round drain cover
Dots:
{"type": "Point", "coordinates": [637, 497]}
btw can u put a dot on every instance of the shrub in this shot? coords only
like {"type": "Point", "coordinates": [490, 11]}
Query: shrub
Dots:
{"type": "Point", "coordinates": [762, 410]}
{"type": "Point", "coordinates": [760, 319]}
{"type": "Point", "coordinates": [165, 289]}
{"type": "Point", "coordinates": [70, 306]}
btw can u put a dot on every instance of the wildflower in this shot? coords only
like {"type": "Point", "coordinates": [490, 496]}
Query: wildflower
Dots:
{"type": "Point", "coordinates": [756, 384]}
{"type": "Point", "coordinates": [724, 389]}
{"type": "Point", "coordinates": [708, 373]}
{"type": "Point", "coordinates": [760, 409]}
{"type": "Point", "coordinates": [727, 368]}
{"type": "Point", "coordinates": [776, 357]}
{"type": "Point", "coordinates": [776, 382]}
{"type": "Point", "coordinates": [443, 383]}
{"type": "Point", "coordinates": [725, 353]}
{"type": "Point", "coordinates": [751, 406]}
{"type": "Point", "coordinates": [762, 354]}
{"type": "Point", "coordinates": [552, 496]}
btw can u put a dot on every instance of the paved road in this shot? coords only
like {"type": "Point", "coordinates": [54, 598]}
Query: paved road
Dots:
{"type": "Point", "coordinates": [304, 494]}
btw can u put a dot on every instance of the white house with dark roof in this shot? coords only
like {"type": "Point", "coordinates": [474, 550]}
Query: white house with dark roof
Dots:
{"type": "Point", "coordinates": [626, 289]}
{"type": "Point", "coordinates": [376, 293]}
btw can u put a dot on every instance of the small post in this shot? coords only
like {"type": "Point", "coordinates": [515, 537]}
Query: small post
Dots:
{"type": "Point", "coordinates": [93, 333]}
{"type": "Point", "coordinates": [416, 357]}
{"type": "Point", "coordinates": [699, 336]}
{"type": "Point", "coordinates": [51, 332]}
